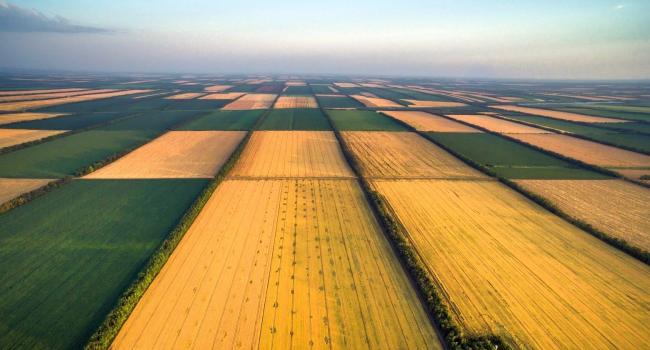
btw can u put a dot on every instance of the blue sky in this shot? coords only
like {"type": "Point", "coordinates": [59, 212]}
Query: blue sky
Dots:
{"type": "Point", "coordinates": [496, 39]}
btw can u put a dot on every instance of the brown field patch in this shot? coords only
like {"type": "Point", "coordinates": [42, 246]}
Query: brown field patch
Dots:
{"type": "Point", "coordinates": [52, 95]}
{"type": "Point", "coordinates": [635, 174]}
{"type": "Point", "coordinates": [222, 96]}
{"type": "Point", "coordinates": [575, 117]}
{"type": "Point", "coordinates": [279, 264]}
{"type": "Point", "coordinates": [295, 83]}
{"type": "Point", "coordinates": [176, 154]}
{"type": "Point", "coordinates": [506, 266]}
{"type": "Point", "coordinates": [423, 121]}
{"type": "Point", "coordinates": [385, 154]}
{"type": "Point", "coordinates": [217, 88]}
{"type": "Point", "coordinates": [438, 104]}
{"type": "Point", "coordinates": [12, 137]}
{"type": "Point", "coordinates": [292, 154]}
{"type": "Point", "coordinates": [251, 101]}
{"type": "Point", "coordinates": [33, 92]}
{"type": "Point", "coordinates": [296, 102]}
{"type": "Point", "coordinates": [26, 105]}
{"type": "Point", "coordinates": [376, 102]}
{"type": "Point", "coordinates": [12, 188]}
{"type": "Point", "coordinates": [27, 116]}
{"type": "Point", "coordinates": [586, 151]}
{"type": "Point", "coordinates": [497, 124]}
{"type": "Point", "coordinates": [616, 207]}
{"type": "Point", "coordinates": [185, 96]}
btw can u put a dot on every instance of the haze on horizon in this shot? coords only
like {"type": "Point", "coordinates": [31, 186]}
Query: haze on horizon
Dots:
{"type": "Point", "coordinates": [571, 39]}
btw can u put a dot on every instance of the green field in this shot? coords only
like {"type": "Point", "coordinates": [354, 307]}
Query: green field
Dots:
{"type": "Point", "coordinates": [115, 104]}
{"type": "Point", "coordinates": [416, 95]}
{"type": "Point", "coordinates": [225, 120]}
{"type": "Point", "coordinates": [624, 108]}
{"type": "Point", "coordinates": [605, 113]}
{"type": "Point", "coordinates": [510, 159]}
{"type": "Point", "coordinates": [295, 119]}
{"type": "Point", "coordinates": [244, 88]}
{"type": "Point", "coordinates": [298, 90]}
{"type": "Point", "coordinates": [338, 102]}
{"type": "Point", "coordinates": [631, 126]}
{"type": "Point", "coordinates": [321, 88]}
{"type": "Point", "coordinates": [82, 247]}
{"type": "Point", "coordinates": [195, 105]}
{"type": "Point", "coordinates": [390, 94]}
{"type": "Point", "coordinates": [69, 122]}
{"type": "Point", "coordinates": [559, 124]}
{"type": "Point", "coordinates": [66, 155]}
{"type": "Point", "coordinates": [354, 120]}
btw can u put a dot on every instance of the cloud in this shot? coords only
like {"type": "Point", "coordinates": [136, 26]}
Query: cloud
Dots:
{"type": "Point", "coordinates": [620, 7]}
{"type": "Point", "coordinates": [17, 19]}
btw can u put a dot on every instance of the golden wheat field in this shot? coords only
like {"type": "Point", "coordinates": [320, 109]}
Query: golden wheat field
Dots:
{"type": "Point", "coordinates": [586, 151]}
{"type": "Point", "coordinates": [375, 102]}
{"type": "Point", "coordinates": [635, 174]}
{"type": "Point", "coordinates": [52, 95]}
{"type": "Point", "coordinates": [26, 105]}
{"type": "Point", "coordinates": [346, 85]}
{"type": "Point", "coordinates": [296, 102]}
{"type": "Point", "coordinates": [497, 124]}
{"type": "Point", "coordinates": [12, 188]}
{"type": "Point", "coordinates": [12, 137]}
{"type": "Point", "coordinates": [217, 88]}
{"type": "Point", "coordinates": [222, 96]}
{"type": "Point", "coordinates": [279, 264]}
{"type": "Point", "coordinates": [432, 104]}
{"type": "Point", "coordinates": [38, 91]}
{"type": "Point", "coordinates": [251, 101]}
{"type": "Point", "coordinates": [387, 154]}
{"type": "Point", "coordinates": [292, 154]}
{"type": "Point", "coordinates": [176, 154]}
{"type": "Point", "coordinates": [423, 121]}
{"type": "Point", "coordinates": [185, 96]}
{"type": "Point", "coordinates": [507, 267]}
{"type": "Point", "coordinates": [9, 118]}
{"type": "Point", "coordinates": [616, 207]}
{"type": "Point", "coordinates": [575, 117]}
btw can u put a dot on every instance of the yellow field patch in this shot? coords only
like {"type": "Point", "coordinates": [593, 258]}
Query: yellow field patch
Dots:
{"type": "Point", "coordinates": [26, 105]}
{"type": "Point", "coordinates": [616, 207]}
{"type": "Point", "coordinates": [52, 95]}
{"type": "Point", "coordinates": [346, 85]}
{"type": "Point", "coordinates": [423, 121]}
{"type": "Point", "coordinates": [9, 118]}
{"type": "Point", "coordinates": [222, 96]}
{"type": "Point", "coordinates": [279, 264]}
{"type": "Point", "coordinates": [33, 92]}
{"type": "Point", "coordinates": [385, 154]}
{"type": "Point", "coordinates": [217, 88]}
{"type": "Point", "coordinates": [433, 104]}
{"type": "Point", "coordinates": [295, 83]}
{"type": "Point", "coordinates": [505, 266]}
{"type": "Point", "coordinates": [185, 96]}
{"type": "Point", "coordinates": [296, 102]}
{"type": "Point", "coordinates": [575, 117]}
{"type": "Point", "coordinates": [635, 174]}
{"type": "Point", "coordinates": [497, 124]}
{"type": "Point", "coordinates": [586, 151]}
{"type": "Point", "coordinates": [12, 188]}
{"type": "Point", "coordinates": [251, 101]}
{"type": "Point", "coordinates": [292, 154]}
{"type": "Point", "coordinates": [176, 154]}
{"type": "Point", "coordinates": [376, 102]}
{"type": "Point", "coordinates": [11, 137]}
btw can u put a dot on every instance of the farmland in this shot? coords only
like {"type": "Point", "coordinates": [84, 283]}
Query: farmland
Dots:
{"type": "Point", "coordinates": [286, 211]}
{"type": "Point", "coordinates": [404, 155]}
{"type": "Point", "coordinates": [61, 276]}
{"type": "Point", "coordinates": [11, 137]}
{"type": "Point", "coordinates": [479, 240]}
{"type": "Point", "coordinates": [284, 254]}
{"type": "Point", "coordinates": [295, 119]}
{"type": "Point", "coordinates": [292, 154]}
{"type": "Point", "coordinates": [176, 154]}
{"type": "Point", "coordinates": [356, 120]}
{"type": "Point", "coordinates": [616, 207]}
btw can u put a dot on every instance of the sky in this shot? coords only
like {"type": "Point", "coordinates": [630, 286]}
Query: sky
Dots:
{"type": "Point", "coordinates": [508, 39]}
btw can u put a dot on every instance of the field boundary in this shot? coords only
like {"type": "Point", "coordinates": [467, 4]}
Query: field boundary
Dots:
{"type": "Point", "coordinates": [107, 331]}
{"type": "Point", "coordinates": [621, 244]}
{"type": "Point", "coordinates": [430, 296]}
